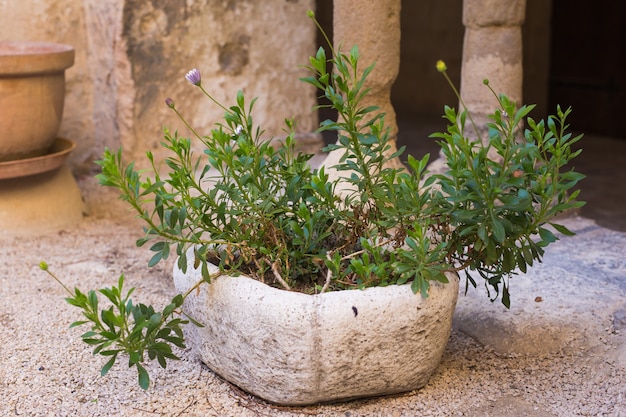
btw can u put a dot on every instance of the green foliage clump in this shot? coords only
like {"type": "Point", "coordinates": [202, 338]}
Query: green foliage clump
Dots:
{"type": "Point", "coordinates": [134, 330]}
{"type": "Point", "coordinates": [254, 207]}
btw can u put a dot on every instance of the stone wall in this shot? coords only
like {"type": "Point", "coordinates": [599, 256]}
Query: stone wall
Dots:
{"type": "Point", "coordinates": [133, 54]}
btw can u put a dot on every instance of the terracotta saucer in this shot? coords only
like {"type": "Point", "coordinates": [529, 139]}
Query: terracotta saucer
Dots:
{"type": "Point", "coordinates": [30, 166]}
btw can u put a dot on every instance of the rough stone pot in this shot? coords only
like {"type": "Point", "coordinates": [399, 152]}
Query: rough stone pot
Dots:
{"type": "Point", "coordinates": [292, 348]}
{"type": "Point", "coordinates": [32, 94]}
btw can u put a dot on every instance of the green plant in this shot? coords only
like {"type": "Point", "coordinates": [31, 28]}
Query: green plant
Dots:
{"type": "Point", "coordinates": [135, 330]}
{"type": "Point", "coordinates": [496, 208]}
{"type": "Point", "coordinates": [251, 207]}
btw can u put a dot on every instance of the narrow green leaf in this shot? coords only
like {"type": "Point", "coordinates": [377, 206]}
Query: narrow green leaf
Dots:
{"type": "Point", "coordinates": [134, 358]}
{"type": "Point", "coordinates": [498, 230]}
{"type": "Point", "coordinates": [108, 365]}
{"type": "Point", "coordinates": [562, 229]}
{"type": "Point", "coordinates": [155, 259]}
{"type": "Point", "coordinates": [506, 298]}
{"type": "Point", "coordinates": [546, 235]}
{"type": "Point", "coordinates": [144, 378]}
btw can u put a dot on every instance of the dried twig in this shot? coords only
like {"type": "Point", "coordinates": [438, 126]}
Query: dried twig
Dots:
{"type": "Point", "coordinates": [210, 404]}
{"type": "Point", "coordinates": [194, 401]}
{"type": "Point", "coordinates": [329, 275]}
{"type": "Point", "coordinates": [362, 251]}
{"type": "Point", "coordinates": [277, 275]}
{"type": "Point", "coordinates": [147, 411]}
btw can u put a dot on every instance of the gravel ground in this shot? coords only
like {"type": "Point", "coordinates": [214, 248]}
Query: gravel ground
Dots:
{"type": "Point", "coordinates": [560, 351]}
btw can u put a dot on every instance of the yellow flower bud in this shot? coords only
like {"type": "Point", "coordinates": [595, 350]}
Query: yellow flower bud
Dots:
{"type": "Point", "coordinates": [441, 66]}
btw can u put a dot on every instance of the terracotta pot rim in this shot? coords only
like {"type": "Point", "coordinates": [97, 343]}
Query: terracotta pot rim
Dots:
{"type": "Point", "coordinates": [53, 159]}
{"type": "Point", "coordinates": [32, 57]}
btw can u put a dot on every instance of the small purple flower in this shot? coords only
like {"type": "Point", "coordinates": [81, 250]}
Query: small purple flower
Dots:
{"type": "Point", "coordinates": [193, 76]}
{"type": "Point", "coordinates": [169, 102]}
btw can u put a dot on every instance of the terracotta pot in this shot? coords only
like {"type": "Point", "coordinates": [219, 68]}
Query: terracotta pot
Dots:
{"type": "Point", "coordinates": [32, 94]}
{"type": "Point", "coordinates": [292, 348]}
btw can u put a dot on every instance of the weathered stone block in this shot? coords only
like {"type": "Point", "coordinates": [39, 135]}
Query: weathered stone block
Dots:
{"type": "Point", "coordinates": [133, 54]}
{"type": "Point", "coordinates": [480, 13]}
{"type": "Point", "coordinates": [293, 348]}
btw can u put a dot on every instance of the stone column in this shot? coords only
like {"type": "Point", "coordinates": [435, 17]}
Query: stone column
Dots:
{"type": "Point", "coordinates": [492, 49]}
{"type": "Point", "coordinates": [375, 28]}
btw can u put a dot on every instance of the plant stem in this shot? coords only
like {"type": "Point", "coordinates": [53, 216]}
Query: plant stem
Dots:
{"type": "Point", "coordinates": [458, 95]}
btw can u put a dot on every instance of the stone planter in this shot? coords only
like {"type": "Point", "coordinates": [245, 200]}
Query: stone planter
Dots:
{"type": "Point", "coordinates": [32, 94]}
{"type": "Point", "coordinates": [291, 348]}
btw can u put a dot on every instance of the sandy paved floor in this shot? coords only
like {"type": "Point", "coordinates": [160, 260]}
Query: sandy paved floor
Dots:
{"type": "Point", "coordinates": [563, 356]}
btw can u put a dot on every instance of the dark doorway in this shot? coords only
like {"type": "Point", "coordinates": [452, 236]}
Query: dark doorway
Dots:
{"type": "Point", "coordinates": [324, 15]}
{"type": "Point", "coordinates": [588, 64]}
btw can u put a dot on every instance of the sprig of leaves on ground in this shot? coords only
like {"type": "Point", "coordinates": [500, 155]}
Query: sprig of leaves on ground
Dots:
{"type": "Point", "coordinates": [134, 330]}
